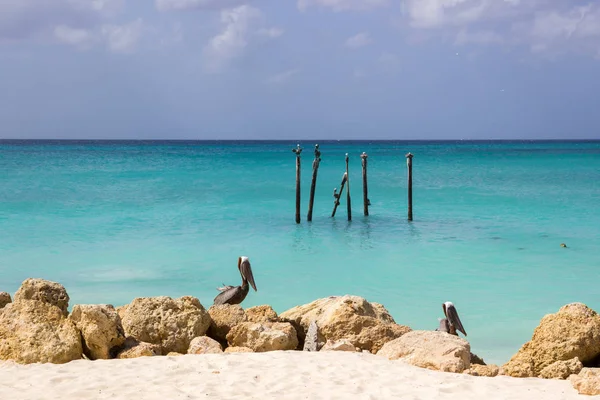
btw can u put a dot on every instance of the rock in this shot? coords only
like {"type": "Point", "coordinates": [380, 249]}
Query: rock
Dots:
{"type": "Point", "coordinates": [169, 323]}
{"type": "Point", "coordinates": [367, 325]}
{"type": "Point", "coordinates": [34, 331]}
{"type": "Point", "coordinates": [45, 291]}
{"type": "Point", "coordinates": [574, 331]}
{"type": "Point", "coordinates": [133, 348]}
{"type": "Point", "coordinates": [339, 345]}
{"type": "Point", "coordinates": [587, 382]}
{"type": "Point", "coordinates": [430, 349]}
{"type": "Point", "coordinates": [100, 328]}
{"type": "Point", "coordinates": [204, 345]}
{"type": "Point", "coordinates": [4, 299]}
{"type": "Point", "coordinates": [311, 341]}
{"type": "Point", "coordinates": [121, 310]}
{"type": "Point", "coordinates": [562, 369]}
{"type": "Point", "coordinates": [483, 370]}
{"type": "Point", "coordinates": [223, 318]}
{"type": "Point", "coordinates": [475, 359]}
{"type": "Point", "coordinates": [237, 349]}
{"type": "Point", "coordinates": [261, 314]}
{"type": "Point", "coordinates": [174, 354]}
{"type": "Point", "coordinates": [265, 336]}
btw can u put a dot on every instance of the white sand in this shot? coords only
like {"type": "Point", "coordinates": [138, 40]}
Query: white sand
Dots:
{"type": "Point", "coordinates": [274, 375]}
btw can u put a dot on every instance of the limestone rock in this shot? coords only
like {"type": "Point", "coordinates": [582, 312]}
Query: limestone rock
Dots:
{"type": "Point", "coordinates": [367, 325]}
{"type": "Point", "coordinates": [261, 314]}
{"type": "Point", "coordinates": [169, 323]}
{"type": "Point", "coordinates": [562, 369]}
{"type": "Point", "coordinates": [574, 331]}
{"type": "Point", "coordinates": [236, 349]}
{"type": "Point", "coordinates": [223, 318]}
{"type": "Point", "coordinates": [100, 328]}
{"type": "Point", "coordinates": [339, 345]}
{"type": "Point", "coordinates": [311, 341]}
{"type": "Point", "coordinates": [475, 359]}
{"type": "Point", "coordinates": [133, 348]}
{"type": "Point", "coordinates": [430, 349]}
{"type": "Point", "coordinates": [44, 291]}
{"type": "Point", "coordinates": [483, 370]}
{"type": "Point", "coordinates": [36, 331]}
{"type": "Point", "coordinates": [204, 345]}
{"type": "Point", "coordinates": [587, 381]}
{"type": "Point", "coordinates": [265, 336]}
{"type": "Point", "coordinates": [4, 299]}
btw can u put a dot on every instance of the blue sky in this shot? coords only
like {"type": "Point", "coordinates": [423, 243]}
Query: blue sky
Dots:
{"type": "Point", "coordinates": [298, 69]}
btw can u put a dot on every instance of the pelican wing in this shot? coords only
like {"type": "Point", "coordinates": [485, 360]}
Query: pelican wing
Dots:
{"type": "Point", "coordinates": [444, 326]}
{"type": "Point", "coordinates": [246, 271]}
{"type": "Point", "coordinates": [226, 295]}
{"type": "Point", "coordinates": [224, 288]}
{"type": "Point", "coordinates": [454, 319]}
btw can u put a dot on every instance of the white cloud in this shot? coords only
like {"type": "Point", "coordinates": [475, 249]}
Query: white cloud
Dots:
{"type": "Point", "coordinates": [358, 40]}
{"type": "Point", "coordinates": [343, 5]}
{"type": "Point", "coordinates": [75, 37]}
{"type": "Point", "coordinates": [270, 32]}
{"type": "Point", "coordinates": [123, 38]}
{"type": "Point", "coordinates": [282, 77]}
{"type": "Point", "coordinates": [178, 5]}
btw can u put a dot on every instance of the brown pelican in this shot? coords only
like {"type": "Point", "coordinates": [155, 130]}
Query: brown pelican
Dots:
{"type": "Point", "coordinates": [451, 323]}
{"type": "Point", "coordinates": [237, 294]}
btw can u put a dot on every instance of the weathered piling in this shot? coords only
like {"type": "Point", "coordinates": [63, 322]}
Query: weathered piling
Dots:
{"type": "Point", "coordinates": [348, 191]}
{"type": "Point", "coordinates": [297, 150]}
{"type": "Point", "coordinates": [409, 158]}
{"type": "Point", "coordinates": [313, 184]}
{"type": "Point", "coordinates": [336, 195]}
{"type": "Point", "coordinates": [366, 201]}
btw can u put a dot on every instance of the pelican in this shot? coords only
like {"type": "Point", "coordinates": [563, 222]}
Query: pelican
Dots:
{"type": "Point", "coordinates": [451, 323]}
{"type": "Point", "coordinates": [237, 294]}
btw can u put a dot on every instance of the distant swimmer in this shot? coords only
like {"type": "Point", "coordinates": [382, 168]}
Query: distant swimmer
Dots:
{"type": "Point", "coordinates": [563, 245]}
{"type": "Point", "coordinates": [237, 294]}
{"type": "Point", "coordinates": [452, 322]}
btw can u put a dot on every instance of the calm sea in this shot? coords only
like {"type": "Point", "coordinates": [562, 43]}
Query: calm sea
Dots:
{"type": "Point", "coordinates": [117, 220]}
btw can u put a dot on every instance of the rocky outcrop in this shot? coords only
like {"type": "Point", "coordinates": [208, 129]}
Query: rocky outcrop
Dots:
{"type": "Point", "coordinates": [430, 349]}
{"type": "Point", "coordinates": [44, 291]}
{"type": "Point", "coordinates": [587, 381]}
{"type": "Point", "coordinates": [4, 299]}
{"type": "Point", "coordinates": [483, 370]}
{"type": "Point", "coordinates": [366, 325]}
{"type": "Point", "coordinates": [312, 342]}
{"type": "Point", "coordinates": [34, 327]}
{"type": "Point", "coordinates": [133, 348]}
{"type": "Point", "coordinates": [166, 322]}
{"type": "Point", "coordinates": [100, 328]}
{"type": "Point", "coordinates": [204, 345]}
{"type": "Point", "coordinates": [223, 318]}
{"type": "Point", "coordinates": [261, 314]}
{"type": "Point", "coordinates": [574, 331]}
{"type": "Point", "coordinates": [338, 345]}
{"type": "Point", "coordinates": [265, 336]}
{"type": "Point", "coordinates": [562, 369]}
{"type": "Point", "coordinates": [236, 349]}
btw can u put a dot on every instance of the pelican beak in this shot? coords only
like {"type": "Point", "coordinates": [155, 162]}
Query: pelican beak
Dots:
{"type": "Point", "coordinates": [246, 271]}
{"type": "Point", "coordinates": [453, 318]}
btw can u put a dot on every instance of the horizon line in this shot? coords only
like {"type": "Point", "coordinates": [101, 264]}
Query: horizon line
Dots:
{"type": "Point", "coordinates": [313, 140]}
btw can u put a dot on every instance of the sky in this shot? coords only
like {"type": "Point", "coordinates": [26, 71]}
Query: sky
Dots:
{"type": "Point", "coordinates": [300, 69]}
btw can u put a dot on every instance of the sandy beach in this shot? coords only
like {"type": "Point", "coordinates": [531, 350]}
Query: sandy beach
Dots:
{"type": "Point", "coordinates": [273, 375]}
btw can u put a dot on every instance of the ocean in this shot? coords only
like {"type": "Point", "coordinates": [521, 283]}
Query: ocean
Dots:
{"type": "Point", "coordinates": [112, 221]}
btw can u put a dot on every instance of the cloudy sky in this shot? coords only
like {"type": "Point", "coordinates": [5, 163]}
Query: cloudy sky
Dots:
{"type": "Point", "coordinates": [290, 69]}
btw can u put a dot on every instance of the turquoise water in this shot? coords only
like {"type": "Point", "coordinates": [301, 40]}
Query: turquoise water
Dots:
{"type": "Point", "coordinates": [113, 221]}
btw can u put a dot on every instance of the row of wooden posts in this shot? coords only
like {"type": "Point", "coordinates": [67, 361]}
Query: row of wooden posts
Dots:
{"type": "Point", "coordinates": [345, 183]}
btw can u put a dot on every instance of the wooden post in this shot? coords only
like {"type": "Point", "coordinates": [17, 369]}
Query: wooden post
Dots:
{"type": "Point", "coordinates": [366, 200]}
{"type": "Point", "coordinates": [314, 182]}
{"type": "Point", "coordinates": [348, 191]}
{"type": "Point", "coordinates": [297, 150]}
{"type": "Point", "coordinates": [409, 158]}
{"type": "Point", "coordinates": [336, 195]}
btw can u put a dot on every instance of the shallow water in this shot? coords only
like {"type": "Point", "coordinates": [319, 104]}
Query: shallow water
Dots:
{"type": "Point", "coordinates": [113, 221]}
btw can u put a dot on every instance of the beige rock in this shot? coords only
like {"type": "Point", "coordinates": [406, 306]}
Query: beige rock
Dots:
{"type": "Point", "coordinates": [204, 345]}
{"type": "Point", "coordinates": [223, 318]}
{"type": "Point", "coordinates": [430, 349]}
{"type": "Point", "coordinates": [169, 323]}
{"type": "Point", "coordinates": [483, 370]}
{"type": "Point", "coordinates": [562, 369]}
{"type": "Point", "coordinates": [35, 331]}
{"type": "Point", "coordinates": [100, 328]}
{"type": "Point", "coordinates": [367, 325]}
{"type": "Point", "coordinates": [338, 345]}
{"type": "Point", "coordinates": [4, 299]}
{"type": "Point", "coordinates": [261, 314]}
{"type": "Point", "coordinates": [265, 336]}
{"type": "Point", "coordinates": [574, 331]}
{"type": "Point", "coordinates": [44, 291]}
{"type": "Point", "coordinates": [133, 348]}
{"type": "Point", "coordinates": [587, 382]}
{"type": "Point", "coordinates": [238, 349]}
{"type": "Point", "coordinates": [121, 310]}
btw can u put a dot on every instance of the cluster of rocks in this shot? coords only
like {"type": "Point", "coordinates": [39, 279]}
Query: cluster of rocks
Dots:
{"type": "Point", "coordinates": [37, 327]}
